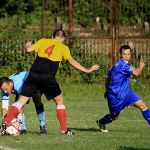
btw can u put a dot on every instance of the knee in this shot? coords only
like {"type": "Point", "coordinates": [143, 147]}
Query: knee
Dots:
{"type": "Point", "coordinates": [38, 103]}
{"type": "Point", "coordinates": [59, 100]}
{"type": "Point", "coordinates": [141, 105]}
{"type": "Point", "coordinates": [144, 107]}
{"type": "Point", "coordinates": [39, 107]}
{"type": "Point", "coordinates": [37, 100]}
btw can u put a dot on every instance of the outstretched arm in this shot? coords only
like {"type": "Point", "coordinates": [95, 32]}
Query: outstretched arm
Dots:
{"type": "Point", "coordinates": [78, 66]}
{"type": "Point", "coordinates": [139, 69]}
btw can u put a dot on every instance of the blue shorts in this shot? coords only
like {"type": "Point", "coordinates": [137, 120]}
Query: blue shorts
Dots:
{"type": "Point", "coordinates": [117, 105]}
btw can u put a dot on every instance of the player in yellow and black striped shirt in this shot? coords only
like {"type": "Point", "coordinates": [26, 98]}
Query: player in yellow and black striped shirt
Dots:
{"type": "Point", "coordinates": [50, 52]}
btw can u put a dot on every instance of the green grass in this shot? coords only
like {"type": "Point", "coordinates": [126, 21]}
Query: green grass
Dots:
{"type": "Point", "coordinates": [85, 104]}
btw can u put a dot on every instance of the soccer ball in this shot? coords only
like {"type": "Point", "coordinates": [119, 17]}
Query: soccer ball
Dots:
{"type": "Point", "coordinates": [15, 127]}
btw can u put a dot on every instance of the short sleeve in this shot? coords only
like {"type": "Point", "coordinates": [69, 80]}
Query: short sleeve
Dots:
{"type": "Point", "coordinates": [66, 53]}
{"type": "Point", "coordinates": [128, 69]}
{"type": "Point", "coordinates": [37, 45]}
{"type": "Point", "coordinates": [4, 96]}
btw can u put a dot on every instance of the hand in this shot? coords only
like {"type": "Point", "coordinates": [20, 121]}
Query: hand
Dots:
{"type": "Point", "coordinates": [105, 95]}
{"type": "Point", "coordinates": [28, 44]}
{"type": "Point", "coordinates": [142, 64]}
{"type": "Point", "coordinates": [93, 68]}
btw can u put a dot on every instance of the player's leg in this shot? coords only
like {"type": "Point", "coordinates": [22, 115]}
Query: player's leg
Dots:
{"type": "Point", "coordinates": [61, 113]}
{"type": "Point", "coordinates": [144, 109]}
{"type": "Point", "coordinates": [21, 117]}
{"type": "Point", "coordinates": [13, 111]}
{"type": "Point", "coordinates": [40, 111]}
{"type": "Point", "coordinates": [135, 100]}
{"type": "Point", "coordinates": [52, 90]}
{"type": "Point", "coordinates": [115, 107]}
{"type": "Point", "coordinates": [108, 118]}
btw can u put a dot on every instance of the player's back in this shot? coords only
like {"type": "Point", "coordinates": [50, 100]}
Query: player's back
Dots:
{"type": "Point", "coordinates": [18, 80]}
{"type": "Point", "coordinates": [51, 49]}
{"type": "Point", "coordinates": [50, 52]}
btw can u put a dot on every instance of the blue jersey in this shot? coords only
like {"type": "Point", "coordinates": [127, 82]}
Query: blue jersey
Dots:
{"type": "Point", "coordinates": [120, 78]}
{"type": "Point", "coordinates": [18, 80]}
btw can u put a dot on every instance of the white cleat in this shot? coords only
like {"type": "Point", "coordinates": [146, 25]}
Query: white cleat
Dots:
{"type": "Point", "coordinates": [102, 127]}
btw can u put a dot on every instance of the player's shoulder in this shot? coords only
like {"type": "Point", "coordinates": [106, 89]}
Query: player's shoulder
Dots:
{"type": "Point", "coordinates": [43, 40]}
{"type": "Point", "coordinates": [19, 74]}
{"type": "Point", "coordinates": [66, 47]}
{"type": "Point", "coordinates": [121, 62]}
{"type": "Point", "coordinates": [61, 45]}
{"type": "Point", "coordinates": [117, 63]}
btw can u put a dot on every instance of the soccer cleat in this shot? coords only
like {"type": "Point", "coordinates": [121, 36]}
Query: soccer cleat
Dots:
{"type": "Point", "coordinates": [42, 130]}
{"type": "Point", "coordinates": [68, 132]}
{"type": "Point", "coordinates": [102, 127]}
{"type": "Point", "coordinates": [3, 129]}
{"type": "Point", "coordinates": [23, 132]}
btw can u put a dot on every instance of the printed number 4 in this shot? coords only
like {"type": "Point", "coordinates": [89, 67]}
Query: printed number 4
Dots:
{"type": "Point", "coordinates": [49, 50]}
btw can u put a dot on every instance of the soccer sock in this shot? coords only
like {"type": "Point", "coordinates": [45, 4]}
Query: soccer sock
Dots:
{"type": "Point", "coordinates": [19, 116]}
{"type": "Point", "coordinates": [14, 110]}
{"type": "Point", "coordinates": [146, 115]}
{"type": "Point", "coordinates": [41, 114]}
{"type": "Point", "coordinates": [62, 117]}
{"type": "Point", "coordinates": [106, 119]}
{"type": "Point", "coordinates": [23, 122]}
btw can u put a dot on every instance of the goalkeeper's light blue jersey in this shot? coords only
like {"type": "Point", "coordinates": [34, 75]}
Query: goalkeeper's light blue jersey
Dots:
{"type": "Point", "coordinates": [18, 80]}
{"type": "Point", "coordinates": [120, 78]}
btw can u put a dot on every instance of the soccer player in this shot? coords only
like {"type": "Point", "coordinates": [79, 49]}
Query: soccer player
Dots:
{"type": "Point", "coordinates": [13, 85]}
{"type": "Point", "coordinates": [50, 52]}
{"type": "Point", "coordinates": [118, 92]}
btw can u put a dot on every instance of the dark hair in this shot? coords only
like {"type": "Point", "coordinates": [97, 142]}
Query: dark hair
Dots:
{"type": "Point", "coordinates": [59, 33]}
{"type": "Point", "coordinates": [4, 79]}
{"type": "Point", "coordinates": [124, 47]}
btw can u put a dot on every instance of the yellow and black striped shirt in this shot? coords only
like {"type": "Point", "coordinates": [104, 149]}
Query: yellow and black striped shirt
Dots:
{"type": "Point", "coordinates": [50, 52]}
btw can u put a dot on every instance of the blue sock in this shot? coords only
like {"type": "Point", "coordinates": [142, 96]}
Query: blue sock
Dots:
{"type": "Point", "coordinates": [106, 119]}
{"type": "Point", "coordinates": [146, 115]}
{"type": "Point", "coordinates": [41, 115]}
{"type": "Point", "coordinates": [23, 123]}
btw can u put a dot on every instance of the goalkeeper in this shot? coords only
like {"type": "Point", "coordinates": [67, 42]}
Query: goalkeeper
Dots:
{"type": "Point", "coordinates": [13, 85]}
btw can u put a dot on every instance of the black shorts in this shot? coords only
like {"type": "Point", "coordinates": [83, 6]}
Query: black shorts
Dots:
{"type": "Point", "coordinates": [43, 83]}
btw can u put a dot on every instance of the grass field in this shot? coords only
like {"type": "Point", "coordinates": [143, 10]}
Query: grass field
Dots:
{"type": "Point", "coordinates": [85, 104]}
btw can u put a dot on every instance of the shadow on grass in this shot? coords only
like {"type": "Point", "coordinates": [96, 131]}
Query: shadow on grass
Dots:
{"type": "Point", "coordinates": [86, 129]}
{"type": "Point", "coordinates": [131, 148]}
{"type": "Point", "coordinates": [33, 132]}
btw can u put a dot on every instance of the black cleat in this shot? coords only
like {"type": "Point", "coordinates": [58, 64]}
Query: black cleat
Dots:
{"type": "Point", "coordinates": [68, 132]}
{"type": "Point", "coordinates": [42, 130]}
{"type": "Point", "coordinates": [3, 129]}
{"type": "Point", "coordinates": [23, 132]}
{"type": "Point", "coordinates": [102, 127]}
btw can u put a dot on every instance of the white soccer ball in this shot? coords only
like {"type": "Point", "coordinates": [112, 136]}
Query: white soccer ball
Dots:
{"type": "Point", "coordinates": [15, 127]}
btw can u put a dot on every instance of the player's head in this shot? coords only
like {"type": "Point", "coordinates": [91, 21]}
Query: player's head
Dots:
{"type": "Point", "coordinates": [125, 52]}
{"type": "Point", "coordinates": [6, 85]}
{"type": "Point", "coordinates": [59, 34]}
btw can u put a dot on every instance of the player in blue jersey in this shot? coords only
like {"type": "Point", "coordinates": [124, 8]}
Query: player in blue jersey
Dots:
{"type": "Point", "coordinates": [13, 85]}
{"type": "Point", "coordinates": [118, 92]}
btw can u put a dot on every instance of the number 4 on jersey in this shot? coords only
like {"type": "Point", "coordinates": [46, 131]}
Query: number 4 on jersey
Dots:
{"type": "Point", "coordinates": [49, 50]}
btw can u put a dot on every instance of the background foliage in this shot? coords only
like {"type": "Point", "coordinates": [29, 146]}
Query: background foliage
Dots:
{"type": "Point", "coordinates": [22, 19]}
